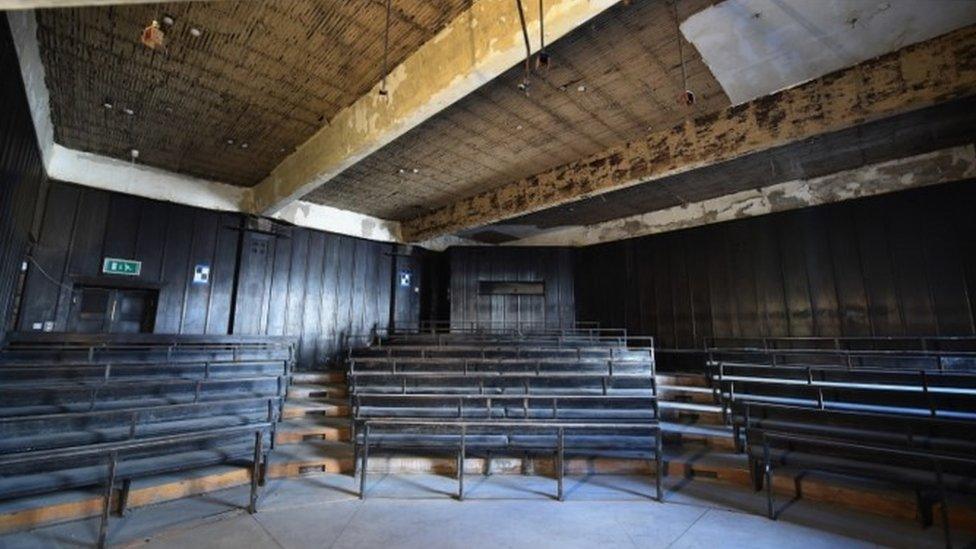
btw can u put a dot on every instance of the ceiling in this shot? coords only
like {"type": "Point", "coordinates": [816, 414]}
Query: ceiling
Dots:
{"type": "Point", "coordinates": [942, 126]}
{"type": "Point", "coordinates": [612, 80]}
{"type": "Point", "coordinates": [262, 77]}
{"type": "Point", "coordinates": [228, 105]}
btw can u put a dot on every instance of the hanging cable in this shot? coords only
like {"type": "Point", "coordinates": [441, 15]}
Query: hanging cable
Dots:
{"type": "Point", "coordinates": [524, 86]}
{"type": "Point", "coordinates": [687, 96]}
{"type": "Point", "coordinates": [542, 60]}
{"type": "Point", "coordinates": [386, 48]}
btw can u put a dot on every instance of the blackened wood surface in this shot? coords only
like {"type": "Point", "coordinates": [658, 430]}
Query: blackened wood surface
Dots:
{"type": "Point", "coordinates": [899, 264]}
{"type": "Point", "coordinates": [22, 177]}
{"type": "Point", "coordinates": [327, 289]}
{"type": "Point", "coordinates": [552, 266]}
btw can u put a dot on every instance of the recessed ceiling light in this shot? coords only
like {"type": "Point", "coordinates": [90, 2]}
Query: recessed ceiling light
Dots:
{"type": "Point", "coordinates": [244, 145]}
{"type": "Point", "coordinates": [168, 20]}
{"type": "Point", "coordinates": [402, 171]}
{"type": "Point", "coordinates": [107, 105]}
{"type": "Point", "coordinates": [416, 170]}
{"type": "Point", "coordinates": [129, 112]}
{"type": "Point", "coordinates": [581, 88]}
{"type": "Point", "coordinates": [230, 141]}
{"type": "Point", "coordinates": [195, 32]}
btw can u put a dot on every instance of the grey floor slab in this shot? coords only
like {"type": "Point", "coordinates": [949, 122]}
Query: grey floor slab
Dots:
{"type": "Point", "coordinates": [419, 511]}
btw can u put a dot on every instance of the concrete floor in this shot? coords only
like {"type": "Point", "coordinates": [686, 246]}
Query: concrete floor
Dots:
{"type": "Point", "coordinates": [417, 511]}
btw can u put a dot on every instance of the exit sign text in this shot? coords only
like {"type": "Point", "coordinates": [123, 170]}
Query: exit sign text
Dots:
{"type": "Point", "coordinates": [128, 267]}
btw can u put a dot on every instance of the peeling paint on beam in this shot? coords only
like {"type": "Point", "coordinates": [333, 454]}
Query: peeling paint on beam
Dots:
{"type": "Point", "coordinates": [943, 166]}
{"type": "Point", "coordinates": [914, 77]}
{"type": "Point", "coordinates": [335, 220]}
{"type": "Point", "coordinates": [480, 44]}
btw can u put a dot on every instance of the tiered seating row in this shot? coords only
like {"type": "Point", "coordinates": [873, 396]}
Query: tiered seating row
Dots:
{"type": "Point", "coordinates": [471, 397]}
{"type": "Point", "coordinates": [76, 413]}
{"type": "Point", "coordinates": [898, 415]}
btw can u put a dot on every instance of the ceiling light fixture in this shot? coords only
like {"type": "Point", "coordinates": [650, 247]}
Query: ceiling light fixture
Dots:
{"type": "Point", "coordinates": [244, 145]}
{"type": "Point", "coordinates": [386, 49]}
{"type": "Point", "coordinates": [230, 141]}
{"type": "Point", "coordinates": [153, 37]}
{"type": "Point", "coordinates": [108, 105]}
{"type": "Point", "coordinates": [128, 111]}
{"type": "Point", "coordinates": [195, 32]}
{"type": "Point", "coordinates": [524, 85]}
{"type": "Point", "coordinates": [416, 170]}
{"type": "Point", "coordinates": [542, 60]}
{"type": "Point", "coordinates": [581, 88]}
{"type": "Point", "coordinates": [687, 97]}
{"type": "Point", "coordinates": [134, 153]}
{"type": "Point", "coordinates": [168, 20]}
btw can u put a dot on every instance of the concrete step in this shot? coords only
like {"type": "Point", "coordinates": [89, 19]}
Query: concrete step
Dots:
{"type": "Point", "coordinates": [311, 456]}
{"type": "Point", "coordinates": [301, 407]}
{"type": "Point", "coordinates": [685, 412]}
{"type": "Point", "coordinates": [307, 390]}
{"type": "Point", "coordinates": [714, 437]}
{"type": "Point", "coordinates": [682, 380]}
{"type": "Point", "coordinates": [296, 431]}
{"type": "Point", "coordinates": [680, 393]}
{"type": "Point", "coordinates": [319, 377]}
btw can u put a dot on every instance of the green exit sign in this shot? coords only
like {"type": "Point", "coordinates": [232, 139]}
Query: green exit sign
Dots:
{"type": "Point", "coordinates": [126, 267]}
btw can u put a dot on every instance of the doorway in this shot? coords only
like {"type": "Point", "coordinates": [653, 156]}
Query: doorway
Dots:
{"type": "Point", "coordinates": [97, 309]}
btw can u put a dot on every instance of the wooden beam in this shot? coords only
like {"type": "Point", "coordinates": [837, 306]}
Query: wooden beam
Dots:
{"type": "Point", "coordinates": [917, 76]}
{"type": "Point", "coordinates": [480, 44]}
{"type": "Point", "coordinates": [44, 4]}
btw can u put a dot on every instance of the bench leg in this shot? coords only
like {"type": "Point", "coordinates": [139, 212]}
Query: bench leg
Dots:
{"type": "Point", "coordinates": [107, 503]}
{"type": "Point", "coordinates": [560, 468]}
{"type": "Point", "coordinates": [768, 469]}
{"type": "Point", "coordinates": [252, 506]}
{"type": "Point", "coordinates": [364, 463]}
{"type": "Point", "coordinates": [944, 505]}
{"type": "Point", "coordinates": [123, 497]}
{"type": "Point", "coordinates": [460, 467]}
{"type": "Point", "coordinates": [659, 459]}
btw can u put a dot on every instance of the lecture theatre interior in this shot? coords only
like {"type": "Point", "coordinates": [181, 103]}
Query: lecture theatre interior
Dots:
{"type": "Point", "coordinates": [487, 273]}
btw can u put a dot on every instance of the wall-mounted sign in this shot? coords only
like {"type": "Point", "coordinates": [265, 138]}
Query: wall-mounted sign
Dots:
{"type": "Point", "coordinates": [201, 274]}
{"type": "Point", "coordinates": [406, 279]}
{"type": "Point", "coordinates": [127, 267]}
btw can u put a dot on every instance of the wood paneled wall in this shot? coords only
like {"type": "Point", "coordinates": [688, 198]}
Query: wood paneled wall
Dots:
{"type": "Point", "coordinates": [329, 290]}
{"type": "Point", "coordinates": [899, 264]}
{"type": "Point", "coordinates": [553, 266]}
{"type": "Point", "coordinates": [22, 177]}
{"type": "Point", "coordinates": [317, 286]}
{"type": "Point", "coordinates": [81, 226]}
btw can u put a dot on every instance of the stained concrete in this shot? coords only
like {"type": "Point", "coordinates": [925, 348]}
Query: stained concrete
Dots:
{"type": "Point", "coordinates": [499, 511]}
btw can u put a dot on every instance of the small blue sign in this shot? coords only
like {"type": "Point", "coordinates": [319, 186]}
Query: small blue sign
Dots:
{"type": "Point", "coordinates": [405, 279]}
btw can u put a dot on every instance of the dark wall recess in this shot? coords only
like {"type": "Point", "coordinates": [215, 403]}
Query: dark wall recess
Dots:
{"type": "Point", "coordinates": [898, 264]}
{"type": "Point", "coordinates": [550, 269]}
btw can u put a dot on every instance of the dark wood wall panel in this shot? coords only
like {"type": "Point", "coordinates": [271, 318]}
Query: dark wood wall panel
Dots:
{"type": "Point", "coordinates": [22, 178]}
{"type": "Point", "coordinates": [330, 291]}
{"type": "Point", "coordinates": [322, 288]}
{"type": "Point", "coordinates": [899, 264]}
{"type": "Point", "coordinates": [82, 226]}
{"type": "Point", "coordinates": [553, 266]}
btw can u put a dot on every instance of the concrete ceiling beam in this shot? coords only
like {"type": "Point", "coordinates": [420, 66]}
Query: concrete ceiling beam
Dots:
{"type": "Point", "coordinates": [45, 4]}
{"type": "Point", "coordinates": [914, 77]}
{"type": "Point", "coordinates": [480, 44]}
